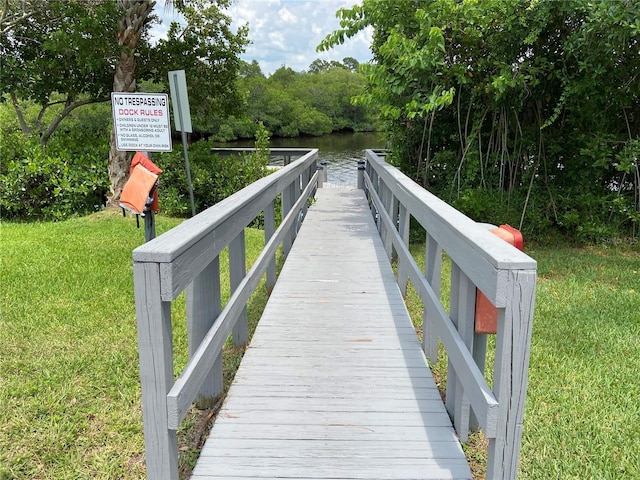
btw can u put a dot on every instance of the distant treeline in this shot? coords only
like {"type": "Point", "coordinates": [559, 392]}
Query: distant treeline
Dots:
{"type": "Point", "coordinates": [290, 104]}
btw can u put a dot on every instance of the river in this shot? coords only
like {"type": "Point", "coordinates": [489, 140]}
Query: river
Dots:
{"type": "Point", "coordinates": [341, 151]}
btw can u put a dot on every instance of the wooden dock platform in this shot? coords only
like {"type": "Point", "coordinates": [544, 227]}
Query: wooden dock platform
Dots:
{"type": "Point", "coordinates": [334, 384]}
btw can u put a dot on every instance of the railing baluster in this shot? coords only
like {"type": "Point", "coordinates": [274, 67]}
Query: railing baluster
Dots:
{"type": "Point", "coordinates": [433, 274]}
{"type": "Point", "coordinates": [237, 271]}
{"type": "Point", "coordinates": [304, 182]}
{"type": "Point", "coordinates": [288, 196]}
{"type": "Point", "coordinates": [385, 196]}
{"type": "Point", "coordinates": [403, 229]}
{"type": "Point", "coordinates": [269, 229]}
{"type": "Point", "coordinates": [394, 213]}
{"type": "Point", "coordinates": [203, 307]}
{"type": "Point", "coordinates": [463, 297]}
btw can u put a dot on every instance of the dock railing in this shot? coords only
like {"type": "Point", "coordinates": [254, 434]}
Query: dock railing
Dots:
{"type": "Point", "coordinates": [187, 259]}
{"type": "Point", "coordinates": [479, 260]}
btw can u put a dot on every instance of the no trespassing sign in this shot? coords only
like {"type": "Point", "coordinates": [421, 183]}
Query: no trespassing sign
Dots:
{"type": "Point", "coordinates": [141, 121]}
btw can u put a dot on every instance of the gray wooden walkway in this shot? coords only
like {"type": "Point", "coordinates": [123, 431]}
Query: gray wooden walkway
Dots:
{"type": "Point", "coordinates": [334, 384]}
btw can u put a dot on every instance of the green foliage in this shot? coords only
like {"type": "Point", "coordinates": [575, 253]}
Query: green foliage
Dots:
{"type": "Point", "coordinates": [67, 177]}
{"type": "Point", "coordinates": [292, 104]}
{"type": "Point", "coordinates": [75, 45]}
{"type": "Point", "coordinates": [61, 58]}
{"type": "Point", "coordinates": [49, 183]}
{"type": "Point", "coordinates": [209, 51]}
{"type": "Point", "coordinates": [527, 103]}
{"type": "Point", "coordinates": [214, 177]}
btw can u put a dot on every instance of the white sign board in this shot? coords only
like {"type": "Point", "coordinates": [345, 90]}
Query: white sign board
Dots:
{"type": "Point", "coordinates": [180, 100]}
{"type": "Point", "coordinates": [141, 121]}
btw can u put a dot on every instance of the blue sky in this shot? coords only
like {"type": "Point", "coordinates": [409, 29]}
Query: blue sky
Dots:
{"type": "Point", "coordinates": [287, 32]}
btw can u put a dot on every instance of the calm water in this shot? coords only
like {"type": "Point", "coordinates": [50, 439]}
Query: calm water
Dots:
{"type": "Point", "coordinates": [341, 150]}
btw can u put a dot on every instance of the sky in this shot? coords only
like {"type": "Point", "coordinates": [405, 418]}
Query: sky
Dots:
{"type": "Point", "coordinates": [287, 32]}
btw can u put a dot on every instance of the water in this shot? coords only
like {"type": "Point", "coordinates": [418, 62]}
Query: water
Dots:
{"type": "Point", "coordinates": [340, 150]}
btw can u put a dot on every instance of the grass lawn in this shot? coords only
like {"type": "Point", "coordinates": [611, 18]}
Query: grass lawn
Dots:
{"type": "Point", "coordinates": [69, 386]}
{"type": "Point", "coordinates": [69, 382]}
{"type": "Point", "coordinates": [582, 417]}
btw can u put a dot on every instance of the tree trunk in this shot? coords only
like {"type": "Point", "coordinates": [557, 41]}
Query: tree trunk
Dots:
{"type": "Point", "coordinates": [135, 17]}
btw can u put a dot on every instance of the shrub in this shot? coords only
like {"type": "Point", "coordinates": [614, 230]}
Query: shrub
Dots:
{"type": "Point", "coordinates": [39, 184]}
{"type": "Point", "coordinates": [214, 177]}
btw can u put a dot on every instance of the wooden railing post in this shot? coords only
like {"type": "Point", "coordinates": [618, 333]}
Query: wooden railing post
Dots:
{"type": "Point", "coordinates": [203, 307]}
{"type": "Point", "coordinates": [156, 371]}
{"type": "Point", "coordinates": [361, 170]}
{"type": "Point", "coordinates": [324, 170]}
{"type": "Point", "coordinates": [513, 344]}
{"type": "Point", "coordinates": [387, 201]}
{"type": "Point", "coordinates": [304, 181]}
{"type": "Point", "coordinates": [463, 298]}
{"type": "Point", "coordinates": [403, 229]}
{"type": "Point", "coordinates": [288, 199]}
{"type": "Point", "coordinates": [320, 175]}
{"type": "Point", "coordinates": [433, 274]}
{"type": "Point", "coordinates": [237, 271]}
{"type": "Point", "coordinates": [269, 229]}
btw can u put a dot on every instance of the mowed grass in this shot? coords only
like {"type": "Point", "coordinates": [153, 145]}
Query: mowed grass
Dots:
{"type": "Point", "coordinates": [70, 403]}
{"type": "Point", "coordinates": [70, 394]}
{"type": "Point", "coordinates": [582, 416]}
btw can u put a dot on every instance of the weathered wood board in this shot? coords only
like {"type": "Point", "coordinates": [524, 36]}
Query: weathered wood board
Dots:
{"type": "Point", "coordinates": [334, 383]}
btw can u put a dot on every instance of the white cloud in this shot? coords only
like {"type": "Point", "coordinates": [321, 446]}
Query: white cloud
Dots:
{"type": "Point", "coordinates": [277, 40]}
{"type": "Point", "coordinates": [286, 16]}
{"type": "Point", "coordinates": [287, 32]}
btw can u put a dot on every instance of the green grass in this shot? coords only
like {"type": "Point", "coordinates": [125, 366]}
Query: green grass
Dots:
{"type": "Point", "coordinates": [70, 392]}
{"type": "Point", "coordinates": [69, 385]}
{"type": "Point", "coordinates": [582, 417]}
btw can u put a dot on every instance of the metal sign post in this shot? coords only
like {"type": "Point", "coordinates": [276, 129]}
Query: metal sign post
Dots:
{"type": "Point", "coordinates": [182, 119]}
{"type": "Point", "coordinates": [141, 123]}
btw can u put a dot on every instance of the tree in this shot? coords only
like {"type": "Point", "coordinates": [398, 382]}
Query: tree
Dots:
{"type": "Point", "coordinates": [318, 66]}
{"type": "Point", "coordinates": [61, 57]}
{"type": "Point", "coordinates": [351, 63]}
{"type": "Point", "coordinates": [135, 17]}
{"type": "Point", "coordinates": [209, 51]}
{"type": "Point", "coordinates": [533, 105]}
{"type": "Point", "coordinates": [250, 70]}
{"type": "Point", "coordinates": [16, 12]}
{"type": "Point", "coordinates": [206, 46]}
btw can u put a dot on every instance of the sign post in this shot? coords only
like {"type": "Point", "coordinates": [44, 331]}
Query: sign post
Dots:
{"type": "Point", "coordinates": [141, 123]}
{"type": "Point", "coordinates": [182, 118]}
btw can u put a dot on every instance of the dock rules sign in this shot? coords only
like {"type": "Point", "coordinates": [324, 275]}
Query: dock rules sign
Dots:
{"type": "Point", "coordinates": [141, 121]}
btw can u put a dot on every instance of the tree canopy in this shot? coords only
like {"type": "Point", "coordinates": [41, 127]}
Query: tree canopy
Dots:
{"type": "Point", "coordinates": [523, 110]}
{"type": "Point", "coordinates": [63, 56]}
{"type": "Point", "coordinates": [291, 104]}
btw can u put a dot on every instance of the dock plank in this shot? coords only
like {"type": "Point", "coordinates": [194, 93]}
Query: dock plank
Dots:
{"type": "Point", "coordinates": [334, 384]}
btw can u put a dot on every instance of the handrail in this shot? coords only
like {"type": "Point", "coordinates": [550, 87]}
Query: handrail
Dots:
{"type": "Point", "coordinates": [186, 258]}
{"type": "Point", "coordinates": [479, 260]}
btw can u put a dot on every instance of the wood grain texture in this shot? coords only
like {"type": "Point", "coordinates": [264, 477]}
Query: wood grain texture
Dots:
{"type": "Point", "coordinates": [334, 383]}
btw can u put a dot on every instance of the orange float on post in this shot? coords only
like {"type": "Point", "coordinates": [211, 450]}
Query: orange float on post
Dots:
{"type": "Point", "coordinates": [486, 320]}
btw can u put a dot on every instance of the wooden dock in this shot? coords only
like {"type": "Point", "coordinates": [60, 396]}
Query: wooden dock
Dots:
{"type": "Point", "coordinates": [334, 384]}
